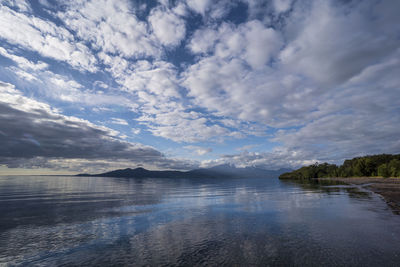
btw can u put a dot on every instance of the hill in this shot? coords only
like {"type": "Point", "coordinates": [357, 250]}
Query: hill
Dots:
{"type": "Point", "coordinates": [220, 171]}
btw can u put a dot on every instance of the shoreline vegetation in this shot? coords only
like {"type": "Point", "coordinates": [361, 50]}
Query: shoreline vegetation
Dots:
{"type": "Point", "coordinates": [377, 173]}
{"type": "Point", "coordinates": [383, 165]}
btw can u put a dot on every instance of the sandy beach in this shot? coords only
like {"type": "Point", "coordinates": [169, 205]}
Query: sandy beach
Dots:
{"type": "Point", "coordinates": [388, 188]}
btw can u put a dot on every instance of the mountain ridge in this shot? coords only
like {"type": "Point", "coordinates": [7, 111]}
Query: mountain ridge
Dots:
{"type": "Point", "coordinates": [219, 171]}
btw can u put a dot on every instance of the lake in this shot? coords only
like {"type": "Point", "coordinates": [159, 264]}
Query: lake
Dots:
{"type": "Point", "coordinates": [97, 221]}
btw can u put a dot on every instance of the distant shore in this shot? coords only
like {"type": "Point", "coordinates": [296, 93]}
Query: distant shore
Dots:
{"type": "Point", "coordinates": [388, 188]}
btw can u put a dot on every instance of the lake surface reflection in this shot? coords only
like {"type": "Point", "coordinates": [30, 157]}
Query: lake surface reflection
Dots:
{"type": "Point", "coordinates": [54, 220]}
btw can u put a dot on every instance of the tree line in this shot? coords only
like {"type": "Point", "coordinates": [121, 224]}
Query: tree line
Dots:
{"type": "Point", "coordinates": [384, 165]}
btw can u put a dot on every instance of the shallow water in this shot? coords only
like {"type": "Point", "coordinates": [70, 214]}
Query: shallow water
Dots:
{"type": "Point", "coordinates": [61, 220]}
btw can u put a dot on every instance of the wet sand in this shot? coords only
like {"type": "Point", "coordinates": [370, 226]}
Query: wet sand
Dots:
{"type": "Point", "coordinates": [388, 188]}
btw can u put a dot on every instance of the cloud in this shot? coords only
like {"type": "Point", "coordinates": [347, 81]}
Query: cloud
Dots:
{"type": "Point", "coordinates": [110, 26]}
{"type": "Point", "coordinates": [230, 89]}
{"type": "Point", "coordinates": [180, 126]}
{"type": "Point", "coordinates": [167, 27]}
{"type": "Point", "coordinates": [268, 160]}
{"type": "Point", "coordinates": [313, 79]}
{"type": "Point", "coordinates": [246, 147]}
{"type": "Point", "coordinates": [322, 43]}
{"type": "Point", "coordinates": [203, 41]}
{"type": "Point", "coordinates": [119, 121]}
{"type": "Point", "coordinates": [102, 109]}
{"type": "Point", "coordinates": [154, 83]}
{"type": "Point", "coordinates": [282, 5]}
{"type": "Point", "coordinates": [35, 134]}
{"type": "Point", "coordinates": [21, 5]}
{"type": "Point", "coordinates": [163, 109]}
{"type": "Point", "coordinates": [234, 79]}
{"type": "Point", "coordinates": [341, 94]}
{"type": "Point", "coordinates": [199, 150]}
{"type": "Point", "coordinates": [251, 42]}
{"type": "Point", "coordinates": [135, 131]}
{"type": "Point", "coordinates": [22, 62]}
{"type": "Point", "coordinates": [45, 38]}
{"type": "Point", "coordinates": [361, 118]}
{"type": "Point", "coordinates": [211, 11]}
{"type": "Point", "coordinates": [59, 87]}
{"type": "Point", "coordinates": [199, 6]}
{"type": "Point", "coordinates": [275, 94]}
{"type": "Point", "coordinates": [36, 75]}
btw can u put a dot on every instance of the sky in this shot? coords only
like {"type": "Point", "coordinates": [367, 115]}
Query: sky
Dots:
{"type": "Point", "coordinates": [91, 86]}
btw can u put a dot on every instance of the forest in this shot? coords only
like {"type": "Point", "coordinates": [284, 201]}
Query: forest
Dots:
{"type": "Point", "coordinates": [383, 165]}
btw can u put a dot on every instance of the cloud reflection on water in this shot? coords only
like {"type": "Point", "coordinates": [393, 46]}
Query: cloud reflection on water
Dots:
{"type": "Point", "coordinates": [89, 221]}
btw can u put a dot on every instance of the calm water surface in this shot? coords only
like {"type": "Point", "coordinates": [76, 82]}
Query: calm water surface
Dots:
{"type": "Point", "coordinates": [51, 221]}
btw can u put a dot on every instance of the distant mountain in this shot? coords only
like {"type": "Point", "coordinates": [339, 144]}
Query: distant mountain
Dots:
{"type": "Point", "coordinates": [220, 171]}
{"type": "Point", "coordinates": [138, 173]}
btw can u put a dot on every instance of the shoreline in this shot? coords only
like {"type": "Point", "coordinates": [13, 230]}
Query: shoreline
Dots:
{"type": "Point", "coordinates": [388, 188]}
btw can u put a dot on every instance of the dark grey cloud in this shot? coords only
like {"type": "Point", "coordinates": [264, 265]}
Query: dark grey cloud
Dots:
{"type": "Point", "coordinates": [32, 133]}
{"type": "Point", "coordinates": [44, 134]}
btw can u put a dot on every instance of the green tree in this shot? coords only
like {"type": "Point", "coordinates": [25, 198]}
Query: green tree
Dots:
{"type": "Point", "coordinates": [383, 170]}
{"type": "Point", "coordinates": [385, 165]}
{"type": "Point", "coordinates": [370, 167]}
{"type": "Point", "coordinates": [394, 168]}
